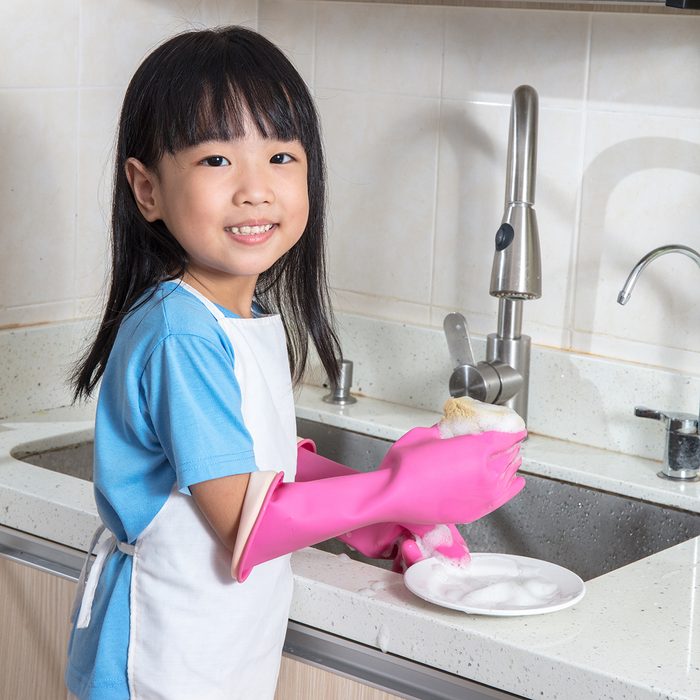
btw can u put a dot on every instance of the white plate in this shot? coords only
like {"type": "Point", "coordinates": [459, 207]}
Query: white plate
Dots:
{"type": "Point", "coordinates": [496, 584]}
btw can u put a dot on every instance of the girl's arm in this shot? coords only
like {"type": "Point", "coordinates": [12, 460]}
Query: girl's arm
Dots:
{"type": "Point", "coordinates": [221, 502]}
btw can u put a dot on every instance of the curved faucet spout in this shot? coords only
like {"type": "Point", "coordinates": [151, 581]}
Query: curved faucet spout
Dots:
{"type": "Point", "coordinates": [625, 293]}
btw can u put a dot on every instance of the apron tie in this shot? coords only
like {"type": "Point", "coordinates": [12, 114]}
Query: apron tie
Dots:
{"type": "Point", "coordinates": [87, 583]}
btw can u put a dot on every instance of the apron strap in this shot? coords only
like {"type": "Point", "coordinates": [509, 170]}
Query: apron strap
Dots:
{"type": "Point", "coordinates": [87, 583]}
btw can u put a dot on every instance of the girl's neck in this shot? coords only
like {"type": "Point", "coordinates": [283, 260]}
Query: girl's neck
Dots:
{"type": "Point", "coordinates": [236, 294]}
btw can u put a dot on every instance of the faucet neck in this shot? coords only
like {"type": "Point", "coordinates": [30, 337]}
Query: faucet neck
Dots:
{"type": "Point", "coordinates": [626, 291]}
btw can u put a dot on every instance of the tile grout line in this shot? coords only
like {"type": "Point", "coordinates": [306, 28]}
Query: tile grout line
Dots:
{"type": "Point", "coordinates": [77, 214]}
{"type": "Point", "coordinates": [436, 180]}
{"type": "Point", "coordinates": [576, 242]}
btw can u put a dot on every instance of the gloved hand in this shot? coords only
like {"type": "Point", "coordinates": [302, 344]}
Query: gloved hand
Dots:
{"type": "Point", "coordinates": [405, 543]}
{"type": "Point", "coordinates": [423, 479]}
{"type": "Point", "coordinates": [481, 468]}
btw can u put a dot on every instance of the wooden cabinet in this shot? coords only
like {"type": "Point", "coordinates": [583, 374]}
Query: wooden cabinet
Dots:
{"type": "Point", "coordinates": [301, 681]}
{"type": "Point", "coordinates": [35, 623]}
{"type": "Point", "coordinates": [34, 627]}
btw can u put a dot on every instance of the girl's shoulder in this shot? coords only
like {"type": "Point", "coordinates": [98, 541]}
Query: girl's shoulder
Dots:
{"type": "Point", "coordinates": [168, 310]}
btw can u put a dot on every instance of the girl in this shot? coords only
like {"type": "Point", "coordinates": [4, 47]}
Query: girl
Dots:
{"type": "Point", "coordinates": [217, 229]}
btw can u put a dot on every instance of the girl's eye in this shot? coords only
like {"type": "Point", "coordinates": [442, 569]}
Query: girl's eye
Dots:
{"type": "Point", "coordinates": [215, 161]}
{"type": "Point", "coordinates": [281, 159]}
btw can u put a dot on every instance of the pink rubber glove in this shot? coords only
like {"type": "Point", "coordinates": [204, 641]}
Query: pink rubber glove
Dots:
{"type": "Point", "coordinates": [397, 541]}
{"type": "Point", "coordinates": [423, 479]}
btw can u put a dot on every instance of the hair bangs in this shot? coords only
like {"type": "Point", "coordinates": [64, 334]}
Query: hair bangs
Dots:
{"type": "Point", "coordinates": [232, 92]}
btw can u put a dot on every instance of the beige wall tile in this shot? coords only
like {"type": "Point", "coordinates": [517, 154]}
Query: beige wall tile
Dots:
{"type": "Point", "coordinates": [291, 25]}
{"type": "Point", "coordinates": [38, 135]}
{"type": "Point", "coordinates": [387, 307]}
{"type": "Point", "coordinates": [489, 52]}
{"type": "Point", "coordinates": [109, 58]}
{"type": "Point", "coordinates": [99, 113]}
{"type": "Point", "coordinates": [646, 63]}
{"type": "Point", "coordinates": [39, 42]}
{"type": "Point", "coordinates": [379, 48]}
{"type": "Point", "coordinates": [641, 189]}
{"type": "Point", "coordinates": [381, 153]}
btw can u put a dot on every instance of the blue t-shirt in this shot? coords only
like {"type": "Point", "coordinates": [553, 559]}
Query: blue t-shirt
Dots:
{"type": "Point", "coordinates": [168, 413]}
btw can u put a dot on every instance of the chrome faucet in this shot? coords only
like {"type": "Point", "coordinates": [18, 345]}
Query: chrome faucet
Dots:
{"type": "Point", "coordinates": [682, 452]}
{"type": "Point", "coordinates": [516, 276]}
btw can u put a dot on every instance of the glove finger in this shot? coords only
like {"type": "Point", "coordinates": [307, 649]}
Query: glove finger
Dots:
{"type": "Point", "coordinates": [512, 490]}
{"type": "Point", "coordinates": [457, 549]}
{"type": "Point", "coordinates": [506, 463]}
{"type": "Point", "coordinates": [508, 441]}
{"type": "Point", "coordinates": [410, 552]}
{"type": "Point", "coordinates": [510, 471]}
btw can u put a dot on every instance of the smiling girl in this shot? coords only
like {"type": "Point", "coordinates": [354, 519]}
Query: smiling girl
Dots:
{"type": "Point", "coordinates": [218, 283]}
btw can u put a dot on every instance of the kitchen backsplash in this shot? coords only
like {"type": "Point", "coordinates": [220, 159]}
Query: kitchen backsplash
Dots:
{"type": "Point", "coordinates": [414, 102]}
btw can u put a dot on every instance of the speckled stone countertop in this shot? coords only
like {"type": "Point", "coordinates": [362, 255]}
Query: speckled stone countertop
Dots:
{"type": "Point", "coordinates": [635, 635]}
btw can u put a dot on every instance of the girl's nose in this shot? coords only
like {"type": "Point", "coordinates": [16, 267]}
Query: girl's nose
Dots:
{"type": "Point", "coordinates": [252, 188]}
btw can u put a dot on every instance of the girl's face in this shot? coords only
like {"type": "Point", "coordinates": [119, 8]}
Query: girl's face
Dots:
{"type": "Point", "coordinates": [235, 206]}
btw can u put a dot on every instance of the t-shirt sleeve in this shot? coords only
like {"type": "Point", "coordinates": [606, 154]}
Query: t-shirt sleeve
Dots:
{"type": "Point", "coordinates": [193, 402]}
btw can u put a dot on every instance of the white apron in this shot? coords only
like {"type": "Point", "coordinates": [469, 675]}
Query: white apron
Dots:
{"type": "Point", "coordinates": [195, 632]}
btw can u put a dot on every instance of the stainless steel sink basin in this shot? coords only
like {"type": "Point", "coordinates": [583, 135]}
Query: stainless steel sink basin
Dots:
{"type": "Point", "coordinates": [588, 531]}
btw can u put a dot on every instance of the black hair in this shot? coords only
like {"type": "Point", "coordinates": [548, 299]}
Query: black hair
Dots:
{"type": "Point", "coordinates": [200, 86]}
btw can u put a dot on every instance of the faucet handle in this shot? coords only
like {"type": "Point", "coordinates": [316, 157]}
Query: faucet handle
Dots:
{"type": "Point", "coordinates": [675, 422]}
{"type": "Point", "coordinates": [458, 341]}
{"type": "Point", "coordinates": [681, 460]}
{"type": "Point", "coordinates": [480, 380]}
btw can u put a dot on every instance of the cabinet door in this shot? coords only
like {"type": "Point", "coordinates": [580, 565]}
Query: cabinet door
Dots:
{"type": "Point", "coordinates": [35, 624]}
{"type": "Point", "coordinates": [301, 681]}
{"type": "Point", "coordinates": [34, 627]}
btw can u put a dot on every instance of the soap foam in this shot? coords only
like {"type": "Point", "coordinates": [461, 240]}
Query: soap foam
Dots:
{"type": "Point", "coordinates": [439, 536]}
{"type": "Point", "coordinates": [501, 583]}
{"type": "Point", "coordinates": [467, 416]}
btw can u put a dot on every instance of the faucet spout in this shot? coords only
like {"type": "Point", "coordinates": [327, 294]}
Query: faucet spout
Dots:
{"type": "Point", "coordinates": [626, 292]}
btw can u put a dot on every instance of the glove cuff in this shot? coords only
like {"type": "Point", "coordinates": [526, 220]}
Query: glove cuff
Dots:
{"type": "Point", "coordinates": [260, 486]}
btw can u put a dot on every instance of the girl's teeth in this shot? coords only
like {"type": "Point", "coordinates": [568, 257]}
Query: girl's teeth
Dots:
{"type": "Point", "coordinates": [248, 230]}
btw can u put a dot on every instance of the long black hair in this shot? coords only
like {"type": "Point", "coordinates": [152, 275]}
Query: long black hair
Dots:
{"type": "Point", "coordinates": [200, 86]}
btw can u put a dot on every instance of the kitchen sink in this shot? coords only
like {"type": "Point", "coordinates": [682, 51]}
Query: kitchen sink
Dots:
{"type": "Point", "coordinates": [588, 531]}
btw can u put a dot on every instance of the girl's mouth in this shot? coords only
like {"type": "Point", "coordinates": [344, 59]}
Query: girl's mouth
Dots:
{"type": "Point", "coordinates": [251, 235]}
{"type": "Point", "coordinates": [248, 230]}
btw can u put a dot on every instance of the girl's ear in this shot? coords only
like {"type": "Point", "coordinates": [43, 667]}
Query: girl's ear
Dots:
{"type": "Point", "coordinates": [144, 185]}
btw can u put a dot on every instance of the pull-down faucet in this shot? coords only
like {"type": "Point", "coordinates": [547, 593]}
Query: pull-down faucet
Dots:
{"type": "Point", "coordinates": [515, 277]}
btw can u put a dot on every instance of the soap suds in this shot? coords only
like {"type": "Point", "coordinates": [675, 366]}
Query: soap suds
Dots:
{"type": "Point", "coordinates": [494, 584]}
{"type": "Point", "coordinates": [439, 536]}
{"type": "Point", "coordinates": [383, 638]}
{"type": "Point", "coordinates": [373, 588]}
{"type": "Point", "coordinates": [467, 416]}
{"type": "Point", "coordinates": [343, 557]}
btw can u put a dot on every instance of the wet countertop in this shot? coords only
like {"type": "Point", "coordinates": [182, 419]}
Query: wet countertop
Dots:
{"type": "Point", "coordinates": [636, 633]}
